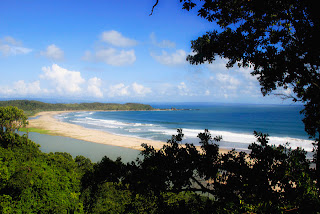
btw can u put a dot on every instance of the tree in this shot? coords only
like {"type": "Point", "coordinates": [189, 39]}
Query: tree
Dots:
{"type": "Point", "coordinates": [35, 182]}
{"type": "Point", "coordinates": [11, 119]}
{"type": "Point", "coordinates": [269, 179]}
{"type": "Point", "coordinates": [278, 39]}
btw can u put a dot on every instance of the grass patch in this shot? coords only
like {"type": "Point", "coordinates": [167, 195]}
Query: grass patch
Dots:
{"type": "Point", "coordinates": [40, 131]}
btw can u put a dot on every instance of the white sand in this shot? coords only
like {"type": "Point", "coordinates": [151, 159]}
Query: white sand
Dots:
{"type": "Point", "coordinates": [46, 121]}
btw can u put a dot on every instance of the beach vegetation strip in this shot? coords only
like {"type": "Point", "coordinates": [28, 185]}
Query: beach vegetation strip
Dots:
{"type": "Point", "coordinates": [36, 130]}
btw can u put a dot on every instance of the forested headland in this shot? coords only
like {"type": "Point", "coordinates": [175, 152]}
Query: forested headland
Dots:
{"type": "Point", "coordinates": [31, 107]}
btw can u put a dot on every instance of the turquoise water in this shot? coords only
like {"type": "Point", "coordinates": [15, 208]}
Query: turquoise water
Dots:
{"type": "Point", "coordinates": [94, 151]}
{"type": "Point", "coordinates": [234, 122]}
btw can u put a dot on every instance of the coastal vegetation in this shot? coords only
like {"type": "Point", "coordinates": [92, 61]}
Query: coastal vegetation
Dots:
{"type": "Point", "coordinates": [276, 39]}
{"type": "Point", "coordinates": [30, 129]}
{"type": "Point", "coordinates": [174, 179]}
{"type": "Point", "coordinates": [32, 107]}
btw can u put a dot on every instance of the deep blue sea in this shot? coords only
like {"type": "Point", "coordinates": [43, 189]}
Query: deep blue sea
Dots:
{"type": "Point", "coordinates": [234, 122]}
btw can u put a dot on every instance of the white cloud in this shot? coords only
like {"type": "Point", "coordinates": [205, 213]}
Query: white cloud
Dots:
{"type": "Point", "coordinates": [166, 89]}
{"type": "Point", "coordinates": [13, 50]}
{"type": "Point", "coordinates": [140, 90]}
{"type": "Point", "coordinates": [134, 90]}
{"type": "Point", "coordinates": [94, 85]}
{"type": "Point", "coordinates": [219, 65]}
{"type": "Point", "coordinates": [21, 88]}
{"type": "Point", "coordinates": [183, 89]}
{"type": "Point", "coordinates": [232, 82]}
{"type": "Point", "coordinates": [118, 90]}
{"type": "Point", "coordinates": [227, 81]}
{"type": "Point", "coordinates": [11, 47]}
{"type": "Point", "coordinates": [27, 88]}
{"type": "Point", "coordinates": [176, 58]}
{"type": "Point", "coordinates": [53, 52]}
{"type": "Point", "coordinates": [12, 41]}
{"type": "Point", "coordinates": [65, 82]}
{"type": "Point", "coordinates": [117, 39]}
{"type": "Point", "coordinates": [59, 82]}
{"type": "Point", "coordinates": [161, 44]}
{"type": "Point", "coordinates": [111, 56]}
{"type": "Point", "coordinates": [114, 57]}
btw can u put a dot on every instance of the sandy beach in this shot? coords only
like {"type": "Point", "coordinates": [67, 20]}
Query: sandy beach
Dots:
{"type": "Point", "coordinates": [47, 121]}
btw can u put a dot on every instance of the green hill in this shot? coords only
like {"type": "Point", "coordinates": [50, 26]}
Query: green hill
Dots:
{"type": "Point", "coordinates": [31, 107]}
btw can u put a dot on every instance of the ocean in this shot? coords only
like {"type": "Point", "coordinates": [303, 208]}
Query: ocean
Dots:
{"type": "Point", "coordinates": [234, 122]}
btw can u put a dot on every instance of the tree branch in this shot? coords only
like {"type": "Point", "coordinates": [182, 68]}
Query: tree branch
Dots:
{"type": "Point", "coordinates": [203, 188]}
{"type": "Point", "coordinates": [154, 7]}
{"type": "Point", "coordinates": [285, 96]}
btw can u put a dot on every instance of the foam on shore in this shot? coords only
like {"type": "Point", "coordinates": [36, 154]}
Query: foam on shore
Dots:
{"type": "Point", "coordinates": [156, 132]}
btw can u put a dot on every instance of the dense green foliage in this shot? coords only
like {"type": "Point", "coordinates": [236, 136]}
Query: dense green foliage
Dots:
{"type": "Point", "coordinates": [267, 180]}
{"type": "Point", "coordinates": [32, 107]}
{"type": "Point", "coordinates": [34, 182]}
{"type": "Point", "coordinates": [11, 119]}
{"type": "Point", "coordinates": [175, 179]}
{"type": "Point", "coordinates": [278, 39]}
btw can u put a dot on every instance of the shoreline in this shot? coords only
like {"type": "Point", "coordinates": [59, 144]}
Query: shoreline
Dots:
{"type": "Point", "coordinates": [46, 121]}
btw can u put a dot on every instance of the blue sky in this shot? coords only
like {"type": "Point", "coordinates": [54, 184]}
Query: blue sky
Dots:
{"type": "Point", "coordinates": [112, 51]}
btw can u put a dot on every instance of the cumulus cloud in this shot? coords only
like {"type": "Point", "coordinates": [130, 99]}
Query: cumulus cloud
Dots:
{"type": "Point", "coordinates": [118, 90]}
{"type": "Point", "coordinates": [59, 82]}
{"type": "Point", "coordinates": [219, 65]}
{"type": "Point", "coordinates": [224, 85]}
{"type": "Point", "coordinates": [115, 38]}
{"type": "Point", "coordinates": [246, 73]}
{"type": "Point", "coordinates": [140, 90]}
{"type": "Point", "coordinates": [183, 89]}
{"type": "Point", "coordinates": [21, 88]}
{"type": "Point", "coordinates": [94, 85]}
{"type": "Point", "coordinates": [163, 43]}
{"type": "Point", "coordinates": [53, 52]}
{"type": "Point", "coordinates": [11, 47]}
{"type": "Point", "coordinates": [114, 57]}
{"type": "Point", "coordinates": [176, 58]}
{"type": "Point", "coordinates": [27, 88]}
{"type": "Point", "coordinates": [227, 81]}
{"type": "Point", "coordinates": [111, 56]}
{"type": "Point", "coordinates": [134, 89]}
{"type": "Point", "coordinates": [65, 82]}
{"type": "Point", "coordinates": [232, 82]}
